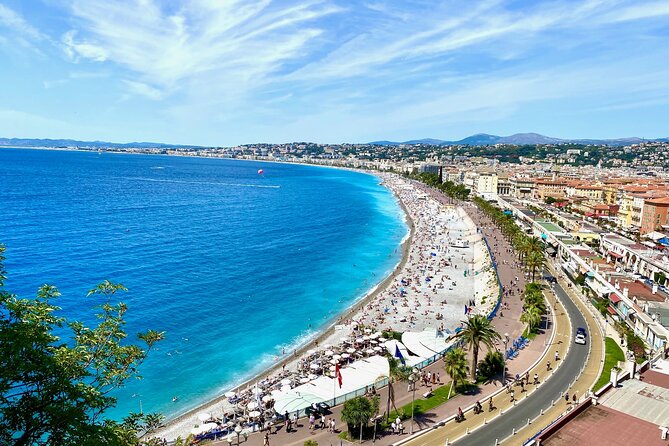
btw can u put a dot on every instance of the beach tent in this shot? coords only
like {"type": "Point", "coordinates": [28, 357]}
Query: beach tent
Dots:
{"type": "Point", "coordinates": [356, 376]}
{"type": "Point", "coordinates": [293, 401]}
{"type": "Point", "coordinates": [426, 343]}
{"type": "Point", "coordinates": [410, 359]}
{"type": "Point", "coordinates": [203, 428]}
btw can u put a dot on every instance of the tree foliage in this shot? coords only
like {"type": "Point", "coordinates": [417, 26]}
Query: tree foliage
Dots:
{"type": "Point", "coordinates": [357, 412]}
{"type": "Point", "coordinates": [56, 375]}
{"type": "Point", "coordinates": [492, 364]}
{"type": "Point", "coordinates": [477, 330]}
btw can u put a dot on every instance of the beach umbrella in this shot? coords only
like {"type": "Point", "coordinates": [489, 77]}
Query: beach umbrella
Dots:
{"type": "Point", "coordinates": [369, 351]}
{"type": "Point", "coordinates": [373, 342]}
{"type": "Point", "coordinates": [311, 351]}
{"type": "Point", "coordinates": [204, 416]}
{"type": "Point", "coordinates": [359, 340]}
{"type": "Point", "coordinates": [315, 366]}
{"type": "Point", "coordinates": [378, 349]}
{"type": "Point", "coordinates": [368, 330]}
{"type": "Point", "coordinates": [252, 405]}
{"type": "Point", "coordinates": [267, 398]}
{"type": "Point", "coordinates": [304, 380]}
{"type": "Point", "coordinates": [333, 361]}
{"type": "Point", "coordinates": [329, 353]}
{"type": "Point", "coordinates": [365, 338]}
{"type": "Point", "coordinates": [350, 351]}
{"type": "Point", "coordinates": [285, 388]}
{"type": "Point", "coordinates": [336, 357]}
{"type": "Point", "coordinates": [285, 382]}
{"type": "Point", "coordinates": [345, 355]}
{"type": "Point", "coordinates": [312, 376]}
{"type": "Point", "coordinates": [256, 391]}
{"type": "Point", "coordinates": [230, 394]}
{"type": "Point", "coordinates": [254, 414]}
{"type": "Point", "coordinates": [345, 339]}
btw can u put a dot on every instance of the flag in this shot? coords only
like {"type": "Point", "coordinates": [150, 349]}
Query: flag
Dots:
{"type": "Point", "coordinates": [338, 375]}
{"type": "Point", "coordinates": [398, 355]}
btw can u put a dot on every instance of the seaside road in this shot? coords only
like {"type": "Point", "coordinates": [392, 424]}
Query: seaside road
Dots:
{"type": "Point", "coordinates": [531, 405]}
{"type": "Point", "coordinates": [582, 385]}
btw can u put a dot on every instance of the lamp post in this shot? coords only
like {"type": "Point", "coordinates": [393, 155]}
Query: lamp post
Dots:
{"type": "Point", "coordinates": [238, 430]}
{"type": "Point", "coordinates": [412, 379]}
{"type": "Point", "coordinates": [506, 343]}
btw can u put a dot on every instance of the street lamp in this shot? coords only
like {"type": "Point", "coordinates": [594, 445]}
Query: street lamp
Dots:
{"type": "Point", "coordinates": [238, 430]}
{"type": "Point", "coordinates": [506, 343]}
{"type": "Point", "coordinates": [412, 379]}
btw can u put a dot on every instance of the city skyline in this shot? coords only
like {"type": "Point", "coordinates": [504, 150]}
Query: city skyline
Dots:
{"type": "Point", "coordinates": [227, 73]}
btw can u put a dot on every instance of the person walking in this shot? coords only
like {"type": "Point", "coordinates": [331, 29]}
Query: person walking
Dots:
{"type": "Point", "coordinates": [266, 440]}
{"type": "Point", "coordinates": [566, 397]}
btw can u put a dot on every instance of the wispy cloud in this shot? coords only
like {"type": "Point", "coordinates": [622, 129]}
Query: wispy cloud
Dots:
{"type": "Point", "coordinates": [241, 42]}
{"type": "Point", "coordinates": [13, 21]}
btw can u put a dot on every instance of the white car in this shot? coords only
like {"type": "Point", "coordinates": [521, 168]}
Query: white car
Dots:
{"type": "Point", "coordinates": [580, 339]}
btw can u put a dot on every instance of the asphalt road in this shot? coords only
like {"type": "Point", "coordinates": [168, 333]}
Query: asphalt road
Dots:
{"type": "Point", "coordinates": [502, 426]}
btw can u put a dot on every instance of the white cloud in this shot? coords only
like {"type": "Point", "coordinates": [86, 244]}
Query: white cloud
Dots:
{"type": "Point", "coordinates": [76, 50]}
{"type": "Point", "coordinates": [232, 45]}
{"type": "Point", "coordinates": [15, 22]}
{"type": "Point", "coordinates": [144, 90]}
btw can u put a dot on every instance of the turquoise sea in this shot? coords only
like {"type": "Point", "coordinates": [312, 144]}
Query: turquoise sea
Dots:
{"type": "Point", "coordinates": [233, 265]}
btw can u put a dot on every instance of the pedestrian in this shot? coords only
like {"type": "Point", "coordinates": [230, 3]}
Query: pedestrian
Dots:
{"type": "Point", "coordinates": [322, 421]}
{"type": "Point", "coordinates": [566, 397]}
{"type": "Point", "coordinates": [312, 421]}
{"type": "Point", "coordinates": [557, 356]}
{"type": "Point", "coordinates": [513, 396]}
{"type": "Point", "coordinates": [536, 379]}
{"type": "Point", "coordinates": [548, 366]}
{"type": "Point", "coordinates": [393, 426]}
{"type": "Point", "coordinates": [490, 406]}
{"type": "Point", "coordinates": [266, 440]}
{"type": "Point", "coordinates": [574, 398]}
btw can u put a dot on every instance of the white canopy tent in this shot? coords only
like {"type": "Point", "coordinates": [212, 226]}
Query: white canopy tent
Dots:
{"type": "Point", "coordinates": [426, 343]}
{"type": "Point", "coordinates": [411, 360]}
{"type": "Point", "coordinates": [355, 376]}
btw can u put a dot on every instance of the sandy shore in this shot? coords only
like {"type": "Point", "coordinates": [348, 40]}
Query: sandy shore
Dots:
{"type": "Point", "coordinates": [444, 266]}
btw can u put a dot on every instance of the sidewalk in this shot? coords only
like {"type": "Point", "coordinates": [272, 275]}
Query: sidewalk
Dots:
{"type": "Point", "coordinates": [506, 322]}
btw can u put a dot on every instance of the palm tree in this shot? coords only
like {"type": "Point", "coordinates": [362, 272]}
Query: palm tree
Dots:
{"type": "Point", "coordinates": [535, 261]}
{"type": "Point", "coordinates": [455, 363]}
{"type": "Point", "coordinates": [358, 411]}
{"type": "Point", "coordinates": [397, 372]}
{"type": "Point", "coordinates": [531, 316]}
{"type": "Point", "coordinates": [477, 330]}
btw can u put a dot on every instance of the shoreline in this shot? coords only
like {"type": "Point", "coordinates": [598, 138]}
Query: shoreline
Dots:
{"type": "Point", "coordinates": [328, 330]}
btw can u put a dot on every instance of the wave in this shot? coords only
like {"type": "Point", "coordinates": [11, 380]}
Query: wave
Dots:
{"type": "Point", "coordinates": [214, 183]}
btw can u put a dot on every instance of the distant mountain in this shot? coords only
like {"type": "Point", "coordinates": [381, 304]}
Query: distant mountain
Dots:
{"type": "Point", "coordinates": [484, 139]}
{"type": "Point", "coordinates": [27, 142]}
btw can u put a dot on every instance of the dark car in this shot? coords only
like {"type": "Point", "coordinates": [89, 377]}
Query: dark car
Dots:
{"type": "Point", "coordinates": [581, 331]}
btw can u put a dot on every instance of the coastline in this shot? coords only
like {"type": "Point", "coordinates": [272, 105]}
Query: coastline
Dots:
{"type": "Point", "coordinates": [326, 332]}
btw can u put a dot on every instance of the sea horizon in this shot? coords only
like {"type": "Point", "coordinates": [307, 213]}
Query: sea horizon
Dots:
{"type": "Point", "coordinates": [358, 248]}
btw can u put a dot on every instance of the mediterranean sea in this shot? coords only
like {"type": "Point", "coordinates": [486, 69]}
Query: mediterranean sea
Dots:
{"type": "Point", "coordinates": [233, 265]}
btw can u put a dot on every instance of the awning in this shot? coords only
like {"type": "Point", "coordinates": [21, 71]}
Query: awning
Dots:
{"type": "Point", "coordinates": [550, 250]}
{"type": "Point", "coordinates": [615, 254]}
{"type": "Point", "coordinates": [590, 274]}
{"type": "Point", "coordinates": [613, 297]}
{"type": "Point", "coordinates": [611, 310]}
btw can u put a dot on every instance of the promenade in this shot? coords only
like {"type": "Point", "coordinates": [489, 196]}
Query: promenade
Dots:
{"type": "Point", "coordinates": [507, 321]}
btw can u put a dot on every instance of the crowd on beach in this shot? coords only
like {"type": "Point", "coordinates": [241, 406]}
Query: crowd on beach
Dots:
{"type": "Point", "coordinates": [447, 273]}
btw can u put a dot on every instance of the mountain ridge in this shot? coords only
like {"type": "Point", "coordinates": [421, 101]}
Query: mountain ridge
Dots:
{"type": "Point", "coordinates": [482, 139]}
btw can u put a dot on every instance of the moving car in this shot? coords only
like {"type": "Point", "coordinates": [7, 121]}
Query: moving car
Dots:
{"type": "Point", "coordinates": [580, 336]}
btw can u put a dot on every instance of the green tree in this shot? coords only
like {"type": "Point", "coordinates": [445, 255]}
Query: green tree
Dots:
{"type": "Point", "coordinates": [357, 412]}
{"type": "Point", "coordinates": [397, 372]}
{"type": "Point", "coordinates": [492, 364]}
{"type": "Point", "coordinates": [56, 375]}
{"type": "Point", "coordinates": [455, 363]}
{"type": "Point", "coordinates": [532, 317]}
{"type": "Point", "coordinates": [535, 261]}
{"type": "Point", "coordinates": [477, 330]}
{"type": "Point", "coordinates": [310, 443]}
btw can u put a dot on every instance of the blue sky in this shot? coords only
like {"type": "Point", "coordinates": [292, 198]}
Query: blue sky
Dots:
{"type": "Point", "coordinates": [225, 72]}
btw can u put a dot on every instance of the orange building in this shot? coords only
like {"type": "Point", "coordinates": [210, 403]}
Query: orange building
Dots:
{"type": "Point", "coordinates": [654, 214]}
